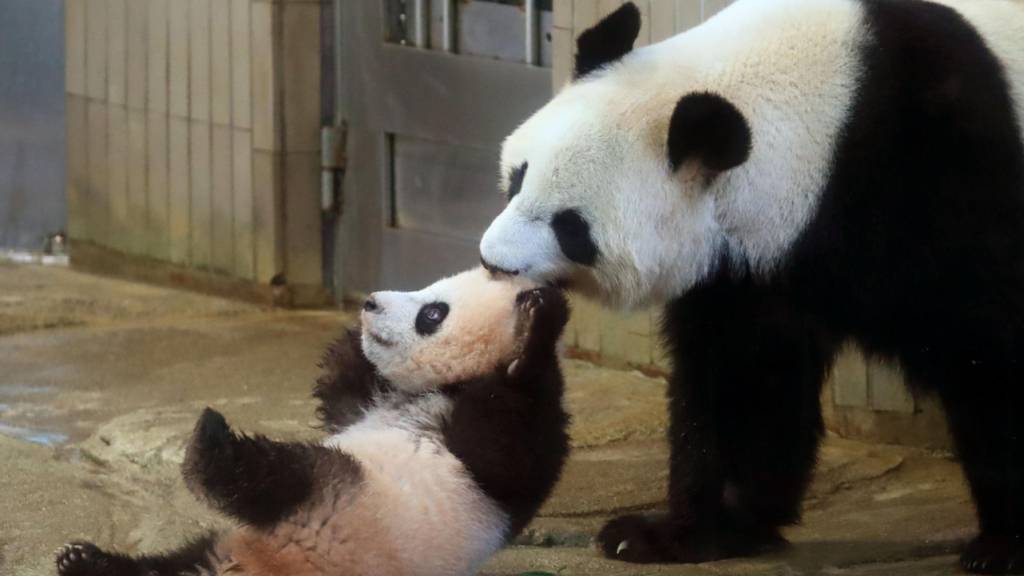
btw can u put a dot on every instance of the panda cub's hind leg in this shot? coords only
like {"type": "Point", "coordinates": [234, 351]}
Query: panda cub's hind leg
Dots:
{"type": "Point", "coordinates": [86, 559]}
{"type": "Point", "coordinates": [257, 480]}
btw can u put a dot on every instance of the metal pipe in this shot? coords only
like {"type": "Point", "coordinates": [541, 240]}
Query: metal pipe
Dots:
{"type": "Point", "coordinates": [421, 35]}
{"type": "Point", "coordinates": [532, 52]}
{"type": "Point", "coordinates": [448, 19]}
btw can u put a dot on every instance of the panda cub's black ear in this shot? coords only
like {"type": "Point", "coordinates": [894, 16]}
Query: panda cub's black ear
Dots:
{"type": "Point", "coordinates": [610, 39]}
{"type": "Point", "coordinates": [709, 129]}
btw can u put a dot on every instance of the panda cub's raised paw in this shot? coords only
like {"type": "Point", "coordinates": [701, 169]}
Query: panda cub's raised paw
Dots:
{"type": "Point", "coordinates": [82, 559]}
{"type": "Point", "coordinates": [544, 310]}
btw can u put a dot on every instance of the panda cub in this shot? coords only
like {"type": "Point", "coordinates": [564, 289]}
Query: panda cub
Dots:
{"type": "Point", "coordinates": [447, 433]}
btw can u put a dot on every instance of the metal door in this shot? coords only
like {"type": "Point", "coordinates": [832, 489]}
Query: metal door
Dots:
{"type": "Point", "coordinates": [428, 90]}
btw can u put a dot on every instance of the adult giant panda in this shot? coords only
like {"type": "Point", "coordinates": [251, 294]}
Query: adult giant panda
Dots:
{"type": "Point", "coordinates": [787, 176]}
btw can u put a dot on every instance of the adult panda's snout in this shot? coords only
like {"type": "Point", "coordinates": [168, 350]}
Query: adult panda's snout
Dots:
{"type": "Point", "coordinates": [514, 245]}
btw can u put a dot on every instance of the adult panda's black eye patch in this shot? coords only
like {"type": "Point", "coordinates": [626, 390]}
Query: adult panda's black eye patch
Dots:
{"type": "Point", "coordinates": [515, 180]}
{"type": "Point", "coordinates": [573, 234]}
{"type": "Point", "coordinates": [430, 318]}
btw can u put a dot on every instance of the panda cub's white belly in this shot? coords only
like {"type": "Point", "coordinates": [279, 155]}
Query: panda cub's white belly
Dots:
{"type": "Point", "coordinates": [421, 495]}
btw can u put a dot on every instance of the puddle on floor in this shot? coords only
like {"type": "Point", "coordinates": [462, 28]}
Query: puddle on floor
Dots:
{"type": "Point", "coordinates": [42, 437]}
{"type": "Point", "coordinates": [24, 415]}
{"type": "Point", "coordinates": [23, 390]}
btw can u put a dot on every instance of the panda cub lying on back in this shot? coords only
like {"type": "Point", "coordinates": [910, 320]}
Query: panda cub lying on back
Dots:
{"type": "Point", "coordinates": [447, 434]}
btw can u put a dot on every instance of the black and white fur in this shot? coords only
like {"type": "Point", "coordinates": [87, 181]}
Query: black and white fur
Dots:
{"type": "Point", "coordinates": [419, 476]}
{"type": "Point", "coordinates": [790, 175]}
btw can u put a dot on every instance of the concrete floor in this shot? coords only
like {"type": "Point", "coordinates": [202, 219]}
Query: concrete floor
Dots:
{"type": "Point", "coordinates": [101, 380]}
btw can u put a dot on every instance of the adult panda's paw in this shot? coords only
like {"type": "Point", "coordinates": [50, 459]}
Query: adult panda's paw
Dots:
{"type": "Point", "coordinates": [658, 539]}
{"type": "Point", "coordinates": [641, 539]}
{"type": "Point", "coordinates": [85, 559]}
{"type": "Point", "coordinates": [994, 554]}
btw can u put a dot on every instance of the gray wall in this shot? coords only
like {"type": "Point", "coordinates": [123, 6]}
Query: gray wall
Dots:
{"type": "Point", "coordinates": [32, 198]}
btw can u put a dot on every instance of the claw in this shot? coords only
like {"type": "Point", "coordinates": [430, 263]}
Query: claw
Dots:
{"type": "Point", "coordinates": [512, 367]}
{"type": "Point", "coordinates": [623, 546]}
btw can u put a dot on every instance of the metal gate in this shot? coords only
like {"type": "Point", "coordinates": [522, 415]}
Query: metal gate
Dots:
{"type": "Point", "coordinates": [428, 89]}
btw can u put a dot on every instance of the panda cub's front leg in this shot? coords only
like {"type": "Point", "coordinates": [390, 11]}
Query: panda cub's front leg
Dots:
{"type": "Point", "coordinates": [543, 315]}
{"type": "Point", "coordinates": [257, 480]}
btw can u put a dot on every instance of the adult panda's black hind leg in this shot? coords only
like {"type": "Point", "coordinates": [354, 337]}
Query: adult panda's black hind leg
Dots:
{"type": "Point", "coordinates": [745, 426]}
{"type": "Point", "coordinates": [989, 438]}
{"type": "Point", "coordinates": [257, 480]}
{"type": "Point", "coordinates": [86, 559]}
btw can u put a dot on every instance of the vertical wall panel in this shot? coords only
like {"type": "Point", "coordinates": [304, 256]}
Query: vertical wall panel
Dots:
{"type": "Point", "coordinates": [77, 158]}
{"type": "Point", "coordinates": [222, 220]}
{"type": "Point", "coordinates": [562, 59]}
{"type": "Point", "coordinates": [136, 45]}
{"type": "Point", "coordinates": [74, 46]}
{"type": "Point", "coordinates": [178, 57]}
{"type": "Point", "coordinates": [606, 7]}
{"type": "Point", "coordinates": [688, 14]}
{"type": "Point", "coordinates": [201, 182]}
{"type": "Point", "coordinates": [242, 199]}
{"type": "Point", "coordinates": [301, 83]}
{"type": "Point", "coordinates": [302, 219]}
{"type": "Point", "coordinates": [199, 59]}
{"type": "Point", "coordinates": [117, 176]}
{"type": "Point", "coordinates": [220, 61]}
{"type": "Point", "coordinates": [562, 16]}
{"type": "Point", "coordinates": [584, 15]}
{"type": "Point", "coordinates": [663, 19]}
{"type": "Point", "coordinates": [96, 198]}
{"type": "Point", "coordinates": [179, 211]}
{"type": "Point", "coordinates": [156, 57]}
{"type": "Point", "coordinates": [712, 7]}
{"type": "Point", "coordinates": [265, 131]}
{"type": "Point", "coordinates": [137, 228]}
{"type": "Point", "coordinates": [96, 48]}
{"type": "Point", "coordinates": [266, 213]}
{"type": "Point", "coordinates": [241, 89]}
{"type": "Point", "coordinates": [117, 21]}
{"type": "Point", "coordinates": [644, 37]}
{"type": "Point", "coordinates": [157, 185]}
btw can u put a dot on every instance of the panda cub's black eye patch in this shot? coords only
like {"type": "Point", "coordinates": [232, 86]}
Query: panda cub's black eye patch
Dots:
{"type": "Point", "coordinates": [430, 318]}
{"type": "Point", "coordinates": [515, 180]}
{"type": "Point", "coordinates": [573, 234]}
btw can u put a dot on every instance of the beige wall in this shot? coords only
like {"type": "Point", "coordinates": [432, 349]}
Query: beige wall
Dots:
{"type": "Point", "coordinates": [862, 398]}
{"type": "Point", "coordinates": [189, 141]}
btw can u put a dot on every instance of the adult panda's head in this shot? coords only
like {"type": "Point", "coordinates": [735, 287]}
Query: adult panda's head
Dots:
{"type": "Point", "coordinates": [608, 184]}
{"type": "Point", "coordinates": [456, 329]}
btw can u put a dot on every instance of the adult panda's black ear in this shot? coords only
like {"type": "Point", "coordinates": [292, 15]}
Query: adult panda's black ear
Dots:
{"type": "Point", "coordinates": [709, 129]}
{"type": "Point", "coordinates": [608, 40]}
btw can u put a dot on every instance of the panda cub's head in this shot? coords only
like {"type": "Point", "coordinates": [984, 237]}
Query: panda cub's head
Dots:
{"type": "Point", "coordinates": [458, 328]}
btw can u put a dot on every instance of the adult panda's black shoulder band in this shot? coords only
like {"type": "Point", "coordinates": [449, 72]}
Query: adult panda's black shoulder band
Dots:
{"type": "Point", "coordinates": [610, 39]}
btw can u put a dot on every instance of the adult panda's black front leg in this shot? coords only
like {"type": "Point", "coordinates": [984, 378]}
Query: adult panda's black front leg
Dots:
{"type": "Point", "coordinates": [257, 480]}
{"type": "Point", "coordinates": [745, 427]}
